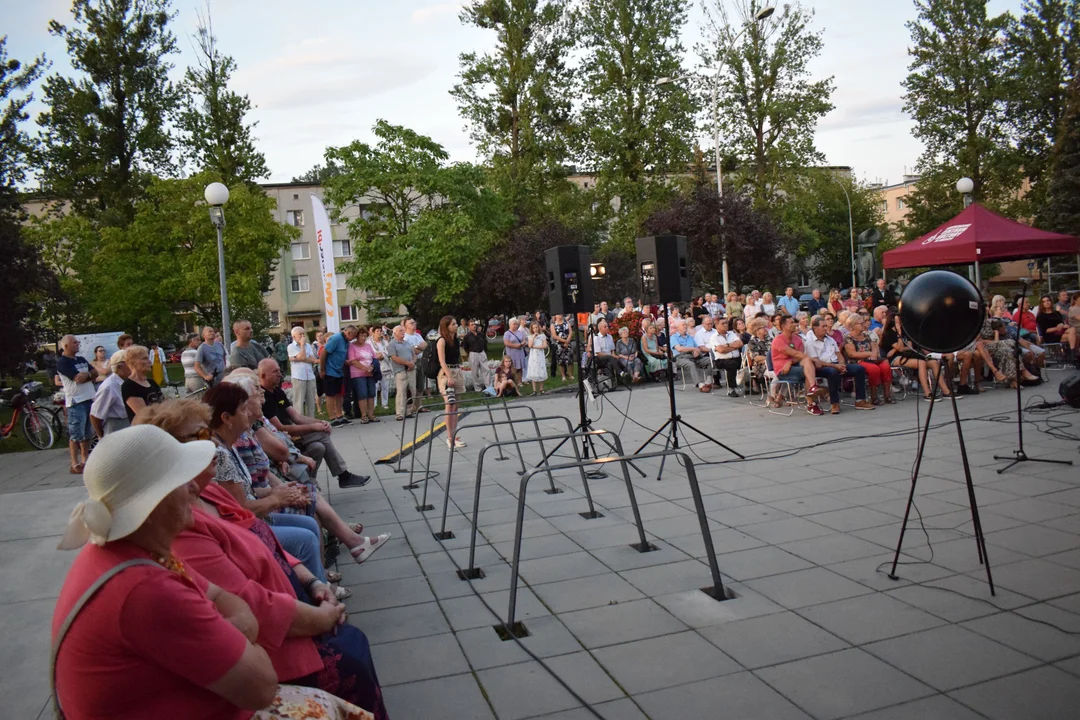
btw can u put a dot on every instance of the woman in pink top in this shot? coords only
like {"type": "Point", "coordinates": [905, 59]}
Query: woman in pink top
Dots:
{"type": "Point", "coordinates": [361, 361]}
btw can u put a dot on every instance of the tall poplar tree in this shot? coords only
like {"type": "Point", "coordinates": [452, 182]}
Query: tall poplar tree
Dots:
{"type": "Point", "coordinates": [1062, 209]}
{"type": "Point", "coordinates": [516, 98]}
{"type": "Point", "coordinates": [215, 133]}
{"type": "Point", "coordinates": [956, 92]}
{"type": "Point", "coordinates": [768, 103]}
{"type": "Point", "coordinates": [633, 131]}
{"type": "Point", "coordinates": [105, 132]}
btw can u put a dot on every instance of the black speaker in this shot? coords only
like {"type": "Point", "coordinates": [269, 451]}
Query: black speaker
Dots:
{"type": "Point", "coordinates": [941, 311]}
{"type": "Point", "coordinates": [663, 268]}
{"type": "Point", "coordinates": [1070, 390]}
{"type": "Point", "coordinates": [569, 283]}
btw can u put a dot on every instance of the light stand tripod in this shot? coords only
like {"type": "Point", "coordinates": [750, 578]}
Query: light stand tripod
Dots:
{"type": "Point", "coordinates": [1019, 456]}
{"type": "Point", "coordinates": [671, 425]}
{"type": "Point", "coordinates": [980, 541]}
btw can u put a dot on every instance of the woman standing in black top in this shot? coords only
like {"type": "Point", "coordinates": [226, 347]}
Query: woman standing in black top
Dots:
{"type": "Point", "coordinates": [451, 381]}
{"type": "Point", "coordinates": [138, 390]}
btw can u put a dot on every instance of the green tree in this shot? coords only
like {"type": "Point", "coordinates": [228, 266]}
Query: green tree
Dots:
{"type": "Point", "coordinates": [767, 104]}
{"type": "Point", "coordinates": [956, 93]}
{"type": "Point", "coordinates": [319, 174]}
{"type": "Point", "coordinates": [1043, 50]}
{"type": "Point", "coordinates": [633, 132]}
{"type": "Point", "coordinates": [15, 144]}
{"type": "Point", "coordinates": [106, 131]}
{"type": "Point", "coordinates": [516, 98]}
{"type": "Point", "coordinates": [137, 277]}
{"type": "Point", "coordinates": [1062, 209]}
{"type": "Point", "coordinates": [814, 216]}
{"type": "Point", "coordinates": [213, 128]}
{"type": "Point", "coordinates": [425, 223]}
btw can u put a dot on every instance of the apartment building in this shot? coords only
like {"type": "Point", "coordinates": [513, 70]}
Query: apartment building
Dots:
{"type": "Point", "coordinates": [294, 298]}
{"type": "Point", "coordinates": [893, 199]}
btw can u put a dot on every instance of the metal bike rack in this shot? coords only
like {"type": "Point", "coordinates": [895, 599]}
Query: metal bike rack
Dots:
{"type": "Point", "coordinates": [512, 629]}
{"type": "Point", "coordinates": [472, 572]}
{"type": "Point", "coordinates": [477, 403]}
{"type": "Point", "coordinates": [424, 507]}
{"type": "Point", "coordinates": [434, 402]}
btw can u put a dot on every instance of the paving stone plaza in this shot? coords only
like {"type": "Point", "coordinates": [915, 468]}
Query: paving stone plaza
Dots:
{"type": "Point", "coordinates": [816, 630]}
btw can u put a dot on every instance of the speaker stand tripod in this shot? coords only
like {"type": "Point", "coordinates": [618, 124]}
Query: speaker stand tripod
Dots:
{"type": "Point", "coordinates": [976, 523]}
{"type": "Point", "coordinates": [1019, 456]}
{"type": "Point", "coordinates": [674, 421]}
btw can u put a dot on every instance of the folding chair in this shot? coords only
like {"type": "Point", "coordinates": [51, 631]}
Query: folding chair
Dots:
{"type": "Point", "coordinates": [788, 390]}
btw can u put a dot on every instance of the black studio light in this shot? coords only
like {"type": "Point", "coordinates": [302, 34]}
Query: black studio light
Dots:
{"type": "Point", "coordinates": [941, 311]}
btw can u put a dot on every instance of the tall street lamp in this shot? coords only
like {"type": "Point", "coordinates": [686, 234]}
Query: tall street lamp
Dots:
{"type": "Point", "coordinates": [760, 15]}
{"type": "Point", "coordinates": [966, 186]}
{"type": "Point", "coordinates": [850, 226]}
{"type": "Point", "coordinates": [217, 195]}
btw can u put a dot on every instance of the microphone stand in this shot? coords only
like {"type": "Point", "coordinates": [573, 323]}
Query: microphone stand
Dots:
{"type": "Point", "coordinates": [1018, 455]}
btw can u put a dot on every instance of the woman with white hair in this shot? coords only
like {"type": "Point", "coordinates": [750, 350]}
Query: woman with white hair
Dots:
{"type": "Point", "coordinates": [136, 633]}
{"type": "Point", "coordinates": [139, 390]}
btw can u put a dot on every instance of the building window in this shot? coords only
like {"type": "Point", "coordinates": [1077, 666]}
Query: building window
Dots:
{"type": "Point", "coordinates": [296, 196]}
{"type": "Point", "coordinates": [348, 312]}
{"type": "Point", "coordinates": [885, 205]}
{"type": "Point", "coordinates": [294, 218]}
{"type": "Point", "coordinates": [900, 203]}
{"type": "Point", "coordinates": [299, 283]}
{"type": "Point", "coordinates": [340, 281]}
{"type": "Point", "coordinates": [301, 251]}
{"type": "Point", "coordinates": [342, 248]}
{"type": "Point", "coordinates": [275, 318]}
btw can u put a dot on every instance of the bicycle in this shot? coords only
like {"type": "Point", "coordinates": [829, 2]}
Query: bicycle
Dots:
{"type": "Point", "coordinates": [37, 429]}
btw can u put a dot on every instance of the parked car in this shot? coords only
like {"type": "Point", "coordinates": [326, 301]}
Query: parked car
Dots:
{"type": "Point", "coordinates": [496, 327]}
{"type": "Point", "coordinates": [804, 301]}
{"type": "Point", "coordinates": [173, 357]}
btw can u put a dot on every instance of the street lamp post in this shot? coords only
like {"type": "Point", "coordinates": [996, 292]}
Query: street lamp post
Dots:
{"type": "Point", "coordinates": [965, 186]}
{"type": "Point", "coordinates": [217, 195]}
{"type": "Point", "coordinates": [850, 227]}
{"type": "Point", "coordinates": [760, 15]}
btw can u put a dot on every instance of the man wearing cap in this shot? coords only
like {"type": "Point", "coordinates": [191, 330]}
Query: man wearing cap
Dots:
{"type": "Point", "coordinates": [77, 377]}
{"type": "Point", "coordinates": [311, 435]}
{"type": "Point", "coordinates": [107, 413]}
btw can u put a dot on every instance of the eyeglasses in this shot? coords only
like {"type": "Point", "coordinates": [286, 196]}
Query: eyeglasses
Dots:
{"type": "Point", "coordinates": [202, 433]}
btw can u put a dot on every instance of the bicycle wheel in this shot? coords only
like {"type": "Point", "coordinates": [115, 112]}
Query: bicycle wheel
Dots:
{"type": "Point", "coordinates": [58, 422]}
{"type": "Point", "coordinates": [38, 430]}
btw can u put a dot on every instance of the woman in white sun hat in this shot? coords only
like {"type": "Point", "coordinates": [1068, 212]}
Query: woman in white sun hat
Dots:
{"type": "Point", "coordinates": [135, 633]}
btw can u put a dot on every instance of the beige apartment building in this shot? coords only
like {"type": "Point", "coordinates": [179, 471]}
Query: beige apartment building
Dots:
{"type": "Point", "coordinates": [893, 199]}
{"type": "Point", "coordinates": [294, 298]}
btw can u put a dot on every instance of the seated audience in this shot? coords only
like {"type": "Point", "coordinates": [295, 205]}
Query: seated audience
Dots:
{"type": "Point", "coordinates": [654, 354]}
{"type": "Point", "coordinates": [157, 639]}
{"type": "Point", "coordinates": [727, 348]}
{"type": "Point", "coordinates": [895, 348]}
{"type": "Point", "coordinates": [626, 351]}
{"type": "Point", "coordinates": [792, 364]}
{"type": "Point", "coordinates": [830, 363]}
{"type": "Point", "coordinates": [688, 355]}
{"type": "Point", "coordinates": [504, 378]}
{"type": "Point", "coordinates": [859, 346]}
{"type": "Point", "coordinates": [1053, 327]}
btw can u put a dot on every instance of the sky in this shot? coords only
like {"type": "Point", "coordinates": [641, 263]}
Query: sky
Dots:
{"type": "Point", "coordinates": [321, 72]}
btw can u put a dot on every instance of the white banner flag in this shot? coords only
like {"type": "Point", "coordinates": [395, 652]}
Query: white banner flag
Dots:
{"type": "Point", "coordinates": [324, 241]}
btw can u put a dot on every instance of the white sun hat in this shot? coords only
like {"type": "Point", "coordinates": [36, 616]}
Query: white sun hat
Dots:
{"type": "Point", "coordinates": [127, 475]}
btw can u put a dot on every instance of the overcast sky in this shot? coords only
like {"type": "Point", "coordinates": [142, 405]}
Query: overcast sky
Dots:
{"type": "Point", "coordinates": [321, 72]}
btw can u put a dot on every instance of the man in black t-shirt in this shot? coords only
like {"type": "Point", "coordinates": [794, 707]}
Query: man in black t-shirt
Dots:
{"type": "Point", "coordinates": [310, 435]}
{"type": "Point", "coordinates": [474, 345]}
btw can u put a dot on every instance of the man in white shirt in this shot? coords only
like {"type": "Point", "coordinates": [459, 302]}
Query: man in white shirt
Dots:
{"type": "Point", "coordinates": [417, 342]}
{"type": "Point", "coordinates": [603, 346]}
{"type": "Point", "coordinates": [830, 364]}
{"type": "Point", "coordinates": [752, 306]}
{"type": "Point", "coordinates": [628, 306]}
{"type": "Point", "coordinates": [107, 412]}
{"type": "Point", "coordinates": [727, 354]}
{"type": "Point", "coordinates": [78, 377]}
{"type": "Point", "coordinates": [703, 338]}
{"type": "Point", "coordinates": [712, 305]}
{"type": "Point", "coordinates": [302, 361]}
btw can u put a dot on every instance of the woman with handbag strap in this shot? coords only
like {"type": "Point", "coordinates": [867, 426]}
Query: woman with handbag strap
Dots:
{"type": "Point", "coordinates": [136, 634]}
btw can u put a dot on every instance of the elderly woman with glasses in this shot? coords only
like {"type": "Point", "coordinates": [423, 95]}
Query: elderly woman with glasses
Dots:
{"type": "Point", "coordinates": [137, 633]}
{"type": "Point", "coordinates": [301, 623]}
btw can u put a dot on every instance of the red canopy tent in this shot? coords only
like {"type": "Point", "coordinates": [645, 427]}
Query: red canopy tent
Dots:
{"type": "Point", "coordinates": [979, 235]}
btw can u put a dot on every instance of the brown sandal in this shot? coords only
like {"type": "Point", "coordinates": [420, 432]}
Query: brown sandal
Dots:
{"type": "Point", "coordinates": [76, 469]}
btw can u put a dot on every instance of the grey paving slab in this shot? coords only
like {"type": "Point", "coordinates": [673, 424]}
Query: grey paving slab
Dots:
{"type": "Point", "coordinates": [950, 657]}
{"type": "Point", "coordinates": [743, 696]}
{"type": "Point", "coordinates": [526, 689]}
{"type": "Point", "coordinates": [32, 569]}
{"type": "Point", "coordinates": [867, 618]}
{"type": "Point", "coordinates": [469, 611]}
{"type": "Point", "coordinates": [389, 593]}
{"type": "Point", "coordinates": [562, 567]}
{"type": "Point", "coordinates": [458, 696]}
{"type": "Point", "coordinates": [620, 623]}
{"type": "Point", "coordinates": [665, 661]}
{"type": "Point", "coordinates": [856, 518]}
{"type": "Point", "coordinates": [670, 577]}
{"type": "Point", "coordinates": [759, 562]}
{"type": "Point", "coordinates": [1037, 694]}
{"type": "Point", "coordinates": [623, 709]}
{"type": "Point", "coordinates": [24, 655]}
{"type": "Point", "coordinates": [547, 637]}
{"type": "Point", "coordinates": [807, 587]}
{"type": "Point", "coordinates": [407, 661]}
{"type": "Point", "coordinates": [1025, 630]}
{"type": "Point", "coordinates": [1038, 579]}
{"type": "Point", "coordinates": [698, 609]}
{"type": "Point", "coordinates": [831, 548]}
{"type": "Point", "coordinates": [401, 623]}
{"type": "Point", "coordinates": [772, 640]}
{"type": "Point", "coordinates": [938, 707]}
{"type": "Point", "coordinates": [578, 594]}
{"type": "Point", "coordinates": [843, 683]}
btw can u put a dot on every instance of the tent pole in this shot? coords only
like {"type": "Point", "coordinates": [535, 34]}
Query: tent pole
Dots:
{"type": "Point", "coordinates": [978, 280]}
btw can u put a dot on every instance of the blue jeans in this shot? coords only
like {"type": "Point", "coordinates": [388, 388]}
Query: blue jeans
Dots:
{"type": "Point", "coordinates": [78, 422]}
{"type": "Point", "coordinates": [834, 377]}
{"type": "Point", "coordinates": [299, 535]}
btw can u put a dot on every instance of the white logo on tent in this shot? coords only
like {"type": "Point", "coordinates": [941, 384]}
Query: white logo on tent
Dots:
{"type": "Point", "coordinates": [950, 233]}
